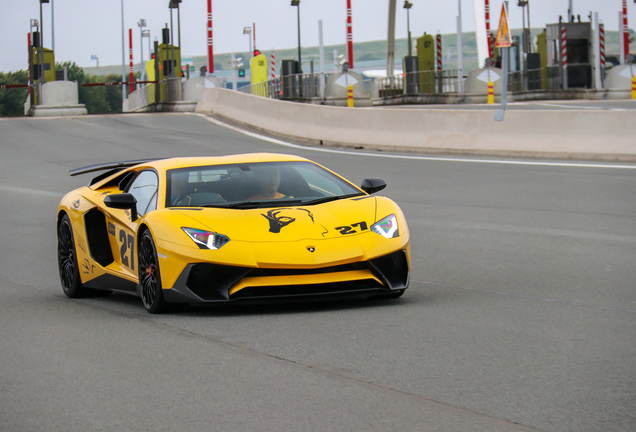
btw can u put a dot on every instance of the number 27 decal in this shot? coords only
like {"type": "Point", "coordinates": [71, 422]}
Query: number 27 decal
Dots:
{"type": "Point", "coordinates": [350, 229]}
{"type": "Point", "coordinates": [127, 249]}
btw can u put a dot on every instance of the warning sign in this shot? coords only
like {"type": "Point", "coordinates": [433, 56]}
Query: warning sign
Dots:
{"type": "Point", "coordinates": [504, 39]}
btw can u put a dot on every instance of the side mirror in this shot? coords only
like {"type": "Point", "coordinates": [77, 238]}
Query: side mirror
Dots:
{"type": "Point", "coordinates": [122, 201]}
{"type": "Point", "coordinates": [372, 185]}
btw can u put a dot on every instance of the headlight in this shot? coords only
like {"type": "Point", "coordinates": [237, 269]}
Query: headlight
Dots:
{"type": "Point", "coordinates": [206, 239]}
{"type": "Point", "coordinates": [387, 227]}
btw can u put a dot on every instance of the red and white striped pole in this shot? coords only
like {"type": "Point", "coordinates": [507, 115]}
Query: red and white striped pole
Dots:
{"type": "Point", "coordinates": [488, 34]}
{"type": "Point", "coordinates": [438, 48]}
{"type": "Point", "coordinates": [29, 68]}
{"type": "Point", "coordinates": [273, 66]}
{"type": "Point", "coordinates": [625, 31]}
{"type": "Point", "coordinates": [210, 40]}
{"type": "Point", "coordinates": [349, 35]}
{"type": "Point", "coordinates": [601, 39]}
{"type": "Point", "coordinates": [130, 54]}
{"type": "Point", "coordinates": [564, 57]}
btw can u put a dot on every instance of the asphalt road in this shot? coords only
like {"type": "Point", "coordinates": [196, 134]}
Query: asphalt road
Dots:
{"type": "Point", "coordinates": [520, 316]}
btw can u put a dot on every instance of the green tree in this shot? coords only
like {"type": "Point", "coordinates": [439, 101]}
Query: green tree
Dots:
{"type": "Point", "coordinates": [12, 99]}
{"type": "Point", "coordinates": [97, 99]}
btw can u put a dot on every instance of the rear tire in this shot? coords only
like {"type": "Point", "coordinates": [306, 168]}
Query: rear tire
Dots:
{"type": "Point", "coordinates": [67, 261]}
{"type": "Point", "coordinates": [150, 288]}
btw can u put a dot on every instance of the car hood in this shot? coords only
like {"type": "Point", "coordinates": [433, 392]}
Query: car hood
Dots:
{"type": "Point", "coordinates": [322, 221]}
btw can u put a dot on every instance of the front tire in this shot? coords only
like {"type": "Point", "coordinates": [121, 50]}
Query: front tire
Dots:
{"type": "Point", "coordinates": [67, 261]}
{"type": "Point", "coordinates": [150, 288]}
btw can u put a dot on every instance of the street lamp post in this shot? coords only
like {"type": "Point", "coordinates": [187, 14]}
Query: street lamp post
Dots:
{"type": "Point", "coordinates": [174, 4]}
{"type": "Point", "coordinates": [408, 5]}
{"type": "Point", "coordinates": [141, 23]}
{"type": "Point", "coordinates": [146, 34]}
{"type": "Point", "coordinates": [248, 31]}
{"type": "Point", "coordinates": [297, 4]}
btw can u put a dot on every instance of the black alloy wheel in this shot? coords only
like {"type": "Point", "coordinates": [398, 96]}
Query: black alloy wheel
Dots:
{"type": "Point", "coordinates": [67, 260]}
{"type": "Point", "coordinates": [150, 288]}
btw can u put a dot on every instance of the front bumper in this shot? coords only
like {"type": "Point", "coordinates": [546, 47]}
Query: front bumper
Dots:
{"type": "Point", "coordinates": [213, 283]}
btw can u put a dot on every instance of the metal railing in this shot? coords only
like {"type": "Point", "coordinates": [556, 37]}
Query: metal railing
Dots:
{"type": "Point", "coordinates": [417, 83]}
{"type": "Point", "coordinates": [305, 87]}
{"type": "Point", "coordinates": [291, 87]}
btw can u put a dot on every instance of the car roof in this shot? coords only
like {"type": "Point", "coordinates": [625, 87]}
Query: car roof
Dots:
{"type": "Point", "coordinates": [163, 165]}
{"type": "Point", "coordinates": [182, 162]}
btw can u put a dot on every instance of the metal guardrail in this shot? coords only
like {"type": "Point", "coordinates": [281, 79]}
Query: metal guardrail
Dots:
{"type": "Point", "coordinates": [304, 87]}
{"type": "Point", "coordinates": [417, 83]}
{"type": "Point", "coordinates": [291, 87]}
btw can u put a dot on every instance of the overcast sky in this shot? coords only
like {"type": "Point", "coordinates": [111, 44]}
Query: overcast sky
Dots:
{"type": "Point", "coordinates": [93, 27]}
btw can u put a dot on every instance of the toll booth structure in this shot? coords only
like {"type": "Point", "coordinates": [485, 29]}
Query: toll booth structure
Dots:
{"type": "Point", "coordinates": [42, 62]}
{"type": "Point", "coordinates": [426, 64]}
{"type": "Point", "coordinates": [578, 38]}
{"type": "Point", "coordinates": [169, 75]}
{"type": "Point", "coordinates": [289, 69]}
{"type": "Point", "coordinates": [259, 74]}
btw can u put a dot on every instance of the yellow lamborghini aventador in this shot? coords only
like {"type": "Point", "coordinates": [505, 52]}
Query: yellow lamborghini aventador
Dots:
{"type": "Point", "coordinates": [220, 229]}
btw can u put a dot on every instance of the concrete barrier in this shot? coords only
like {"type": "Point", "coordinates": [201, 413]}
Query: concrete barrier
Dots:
{"type": "Point", "coordinates": [59, 98]}
{"type": "Point", "coordinates": [585, 134]}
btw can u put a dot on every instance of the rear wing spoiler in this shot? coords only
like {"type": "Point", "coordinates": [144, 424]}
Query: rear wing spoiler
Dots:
{"type": "Point", "coordinates": [112, 167]}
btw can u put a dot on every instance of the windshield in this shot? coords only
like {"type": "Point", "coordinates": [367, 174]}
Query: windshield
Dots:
{"type": "Point", "coordinates": [254, 185]}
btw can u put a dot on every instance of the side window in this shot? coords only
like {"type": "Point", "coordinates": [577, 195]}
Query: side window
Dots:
{"type": "Point", "coordinates": [144, 189]}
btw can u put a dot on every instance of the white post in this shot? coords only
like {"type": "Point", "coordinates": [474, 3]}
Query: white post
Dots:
{"type": "Point", "coordinates": [460, 55]}
{"type": "Point", "coordinates": [390, 46]}
{"type": "Point", "coordinates": [598, 83]}
{"type": "Point", "coordinates": [480, 32]}
{"type": "Point", "coordinates": [123, 55]}
{"type": "Point", "coordinates": [322, 59]}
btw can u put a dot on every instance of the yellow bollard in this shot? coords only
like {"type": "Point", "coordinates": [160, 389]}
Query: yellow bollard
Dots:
{"type": "Point", "coordinates": [633, 86]}
{"type": "Point", "coordinates": [350, 96]}
{"type": "Point", "coordinates": [491, 93]}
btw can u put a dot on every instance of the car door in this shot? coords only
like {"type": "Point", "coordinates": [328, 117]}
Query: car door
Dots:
{"type": "Point", "coordinates": [144, 188]}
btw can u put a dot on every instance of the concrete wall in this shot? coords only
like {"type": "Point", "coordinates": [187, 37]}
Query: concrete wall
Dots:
{"type": "Point", "coordinates": [143, 99]}
{"type": "Point", "coordinates": [59, 98]}
{"type": "Point", "coordinates": [596, 134]}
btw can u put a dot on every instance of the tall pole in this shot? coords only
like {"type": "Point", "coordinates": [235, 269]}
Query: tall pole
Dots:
{"type": "Point", "coordinates": [407, 6]}
{"type": "Point", "coordinates": [390, 46]}
{"type": "Point", "coordinates": [488, 36]}
{"type": "Point", "coordinates": [123, 55]}
{"type": "Point", "coordinates": [172, 59]}
{"type": "Point", "coordinates": [210, 39]}
{"type": "Point", "coordinates": [179, 27]}
{"type": "Point", "coordinates": [52, 26]}
{"type": "Point", "coordinates": [131, 79]}
{"type": "Point", "coordinates": [625, 31]}
{"type": "Point", "coordinates": [322, 59]}
{"type": "Point", "coordinates": [349, 35]}
{"type": "Point", "coordinates": [598, 77]}
{"type": "Point", "coordinates": [141, 23]}
{"type": "Point", "coordinates": [460, 49]}
{"type": "Point", "coordinates": [41, 79]}
{"type": "Point", "coordinates": [300, 69]}
{"type": "Point", "coordinates": [505, 66]}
